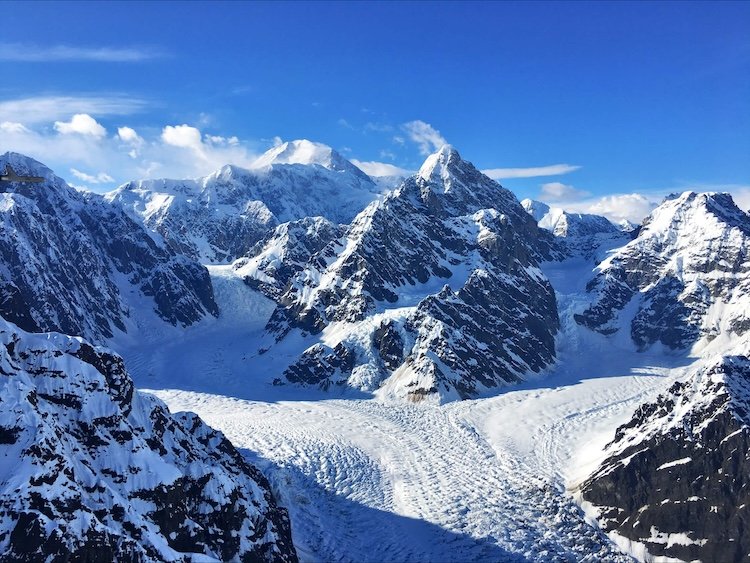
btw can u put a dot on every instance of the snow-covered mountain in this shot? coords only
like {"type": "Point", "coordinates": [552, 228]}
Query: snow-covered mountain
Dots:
{"type": "Point", "coordinates": [75, 263]}
{"type": "Point", "coordinates": [676, 479]}
{"type": "Point", "coordinates": [437, 291]}
{"type": "Point", "coordinates": [274, 260]}
{"type": "Point", "coordinates": [684, 278]}
{"type": "Point", "coordinates": [580, 233]}
{"type": "Point", "coordinates": [93, 470]}
{"type": "Point", "coordinates": [411, 283]}
{"type": "Point", "coordinates": [218, 218]}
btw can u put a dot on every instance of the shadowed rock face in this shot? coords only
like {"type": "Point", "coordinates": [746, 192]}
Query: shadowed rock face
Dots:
{"type": "Point", "coordinates": [686, 275]}
{"type": "Point", "coordinates": [70, 262]}
{"type": "Point", "coordinates": [97, 471]}
{"type": "Point", "coordinates": [459, 252]}
{"type": "Point", "coordinates": [678, 475]}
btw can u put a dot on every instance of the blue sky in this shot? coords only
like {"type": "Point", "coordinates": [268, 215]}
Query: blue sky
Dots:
{"type": "Point", "coordinates": [633, 97]}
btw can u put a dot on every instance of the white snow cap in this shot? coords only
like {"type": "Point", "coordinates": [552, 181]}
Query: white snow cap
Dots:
{"type": "Point", "coordinates": [23, 165]}
{"type": "Point", "coordinates": [536, 209]}
{"type": "Point", "coordinates": [308, 153]}
{"type": "Point", "coordinates": [437, 163]}
{"type": "Point", "coordinates": [297, 152]}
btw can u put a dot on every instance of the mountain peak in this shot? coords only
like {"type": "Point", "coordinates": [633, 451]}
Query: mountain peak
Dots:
{"type": "Point", "coordinates": [437, 163]}
{"type": "Point", "coordinates": [23, 165]}
{"type": "Point", "coordinates": [689, 210]}
{"type": "Point", "coordinates": [308, 153]}
{"type": "Point", "coordinates": [296, 152]}
{"type": "Point", "coordinates": [536, 209]}
{"type": "Point", "coordinates": [305, 152]}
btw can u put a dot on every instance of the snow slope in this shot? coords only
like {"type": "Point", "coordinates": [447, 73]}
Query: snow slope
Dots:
{"type": "Point", "coordinates": [676, 479]}
{"type": "Point", "coordinates": [686, 275]}
{"type": "Point", "coordinates": [579, 233]}
{"type": "Point", "coordinates": [398, 302]}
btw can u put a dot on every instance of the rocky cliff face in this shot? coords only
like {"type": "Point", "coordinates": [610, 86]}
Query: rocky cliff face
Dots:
{"type": "Point", "coordinates": [684, 278]}
{"type": "Point", "coordinates": [677, 475]}
{"type": "Point", "coordinates": [95, 470]}
{"type": "Point", "coordinates": [74, 263]}
{"type": "Point", "coordinates": [219, 218]}
{"type": "Point", "coordinates": [416, 278]}
{"type": "Point", "coordinates": [273, 261]}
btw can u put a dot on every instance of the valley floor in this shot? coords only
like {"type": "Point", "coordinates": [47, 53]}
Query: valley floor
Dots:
{"type": "Point", "coordinates": [366, 480]}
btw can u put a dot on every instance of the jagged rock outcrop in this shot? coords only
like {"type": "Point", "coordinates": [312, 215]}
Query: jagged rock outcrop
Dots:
{"type": "Point", "coordinates": [73, 263]}
{"type": "Point", "coordinates": [432, 262]}
{"type": "Point", "coordinates": [684, 278]}
{"type": "Point", "coordinates": [273, 261]}
{"type": "Point", "coordinates": [95, 470]}
{"type": "Point", "coordinates": [677, 475]}
{"type": "Point", "coordinates": [220, 217]}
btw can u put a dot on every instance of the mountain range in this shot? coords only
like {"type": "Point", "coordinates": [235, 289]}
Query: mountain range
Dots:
{"type": "Point", "coordinates": [302, 277]}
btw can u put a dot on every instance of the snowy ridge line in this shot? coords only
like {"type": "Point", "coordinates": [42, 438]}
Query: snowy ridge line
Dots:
{"type": "Point", "coordinates": [74, 263]}
{"type": "Point", "coordinates": [457, 247]}
{"type": "Point", "coordinates": [218, 218]}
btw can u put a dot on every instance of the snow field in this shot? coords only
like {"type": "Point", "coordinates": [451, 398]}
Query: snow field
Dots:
{"type": "Point", "coordinates": [368, 480]}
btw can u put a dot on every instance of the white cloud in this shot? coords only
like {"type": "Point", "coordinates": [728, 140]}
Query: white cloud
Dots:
{"type": "Point", "coordinates": [128, 135]}
{"type": "Point", "coordinates": [344, 123]}
{"type": "Point", "coordinates": [633, 207]}
{"type": "Point", "coordinates": [557, 191]}
{"type": "Point", "coordinates": [378, 127]}
{"type": "Point", "coordinates": [12, 127]}
{"type": "Point", "coordinates": [45, 109]}
{"type": "Point", "coordinates": [100, 178]}
{"type": "Point", "coordinates": [636, 206]}
{"type": "Point", "coordinates": [425, 135]}
{"type": "Point", "coordinates": [82, 124]}
{"type": "Point", "coordinates": [127, 155]}
{"type": "Point", "coordinates": [741, 196]}
{"type": "Point", "coordinates": [183, 136]}
{"type": "Point", "coordinates": [551, 170]}
{"type": "Point", "coordinates": [219, 140]}
{"type": "Point", "coordinates": [22, 52]}
{"type": "Point", "coordinates": [132, 139]}
{"type": "Point", "coordinates": [378, 169]}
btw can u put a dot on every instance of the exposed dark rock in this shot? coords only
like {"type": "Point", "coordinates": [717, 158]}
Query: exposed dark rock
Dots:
{"type": "Point", "coordinates": [271, 264]}
{"type": "Point", "coordinates": [447, 226]}
{"type": "Point", "coordinates": [691, 254]}
{"type": "Point", "coordinates": [71, 260]}
{"type": "Point", "coordinates": [677, 477]}
{"type": "Point", "coordinates": [101, 472]}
